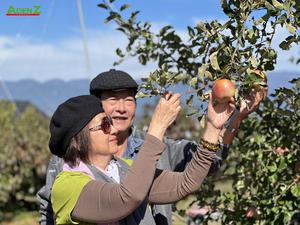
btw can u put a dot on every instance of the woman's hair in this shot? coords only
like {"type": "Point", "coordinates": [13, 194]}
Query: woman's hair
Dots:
{"type": "Point", "coordinates": [78, 148]}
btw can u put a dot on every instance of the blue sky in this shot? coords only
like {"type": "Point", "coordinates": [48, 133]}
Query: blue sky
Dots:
{"type": "Point", "coordinates": [50, 46]}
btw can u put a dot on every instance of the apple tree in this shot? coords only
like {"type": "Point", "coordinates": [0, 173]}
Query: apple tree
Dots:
{"type": "Point", "coordinates": [263, 165]}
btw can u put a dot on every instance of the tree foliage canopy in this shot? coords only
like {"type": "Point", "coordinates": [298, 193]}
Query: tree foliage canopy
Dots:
{"type": "Point", "coordinates": [24, 155]}
{"type": "Point", "coordinates": [233, 48]}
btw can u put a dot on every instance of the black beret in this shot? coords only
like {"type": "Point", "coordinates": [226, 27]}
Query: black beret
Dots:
{"type": "Point", "coordinates": [69, 119]}
{"type": "Point", "coordinates": [112, 80]}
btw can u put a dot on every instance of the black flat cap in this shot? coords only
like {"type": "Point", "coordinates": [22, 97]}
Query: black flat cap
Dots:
{"type": "Point", "coordinates": [69, 119]}
{"type": "Point", "coordinates": [112, 80]}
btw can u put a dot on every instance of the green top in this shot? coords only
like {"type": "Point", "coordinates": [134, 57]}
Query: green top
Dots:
{"type": "Point", "coordinates": [65, 193]}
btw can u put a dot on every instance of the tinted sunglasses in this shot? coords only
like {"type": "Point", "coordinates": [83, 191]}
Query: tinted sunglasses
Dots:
{"type": "Point", "coordinates": [105, 125]}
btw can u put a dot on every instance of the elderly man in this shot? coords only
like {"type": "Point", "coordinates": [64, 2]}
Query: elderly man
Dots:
{"type": "Point", "coordinates": [117, 90]}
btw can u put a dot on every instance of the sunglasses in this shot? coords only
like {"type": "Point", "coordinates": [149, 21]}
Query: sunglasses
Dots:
{"type": "Point", "coordinates": [105, 125]}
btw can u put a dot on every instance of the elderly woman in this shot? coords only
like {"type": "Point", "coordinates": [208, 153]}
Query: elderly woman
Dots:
{"type": "Point", "coordinates": [90, 188]}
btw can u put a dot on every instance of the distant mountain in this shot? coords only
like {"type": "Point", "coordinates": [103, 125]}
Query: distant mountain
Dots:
{"type": "Point", "coordinates": [45, 95]}
{"type": "Point", "coordinates": [22, 106]}
{"type": "Point", "coordinates": [48, 95]}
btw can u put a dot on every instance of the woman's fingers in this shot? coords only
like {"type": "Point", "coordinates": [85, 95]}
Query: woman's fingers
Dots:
{"type": "Point", "coordinates": [171, 98]}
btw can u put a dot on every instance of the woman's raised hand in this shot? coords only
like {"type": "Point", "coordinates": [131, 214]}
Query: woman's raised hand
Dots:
{"type": "Point", "coordinates": [218, 113]}
{"type": "Point", "coordinates": [165, 114]}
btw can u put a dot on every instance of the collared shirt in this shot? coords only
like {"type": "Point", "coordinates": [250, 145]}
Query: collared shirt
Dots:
{"type": "Point", "coordinates": [132, 147]}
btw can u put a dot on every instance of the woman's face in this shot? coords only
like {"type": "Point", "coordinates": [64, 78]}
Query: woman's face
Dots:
{"type": "Point", "coordinates": [103, 135]}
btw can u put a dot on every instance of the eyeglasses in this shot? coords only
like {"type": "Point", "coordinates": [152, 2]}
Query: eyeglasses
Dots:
{"type": "Point", "coordinates": [105, 125]}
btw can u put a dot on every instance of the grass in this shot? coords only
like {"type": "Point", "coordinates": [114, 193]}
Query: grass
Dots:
{"type": "Point", "coordinates": [21, 218]}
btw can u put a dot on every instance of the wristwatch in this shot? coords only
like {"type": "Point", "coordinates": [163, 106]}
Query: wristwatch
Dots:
{"type": "Point", "coordinates": [228, 124]}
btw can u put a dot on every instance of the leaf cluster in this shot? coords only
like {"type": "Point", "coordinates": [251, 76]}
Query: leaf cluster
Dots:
{"type": "Point", "coordinates": [229, 49]}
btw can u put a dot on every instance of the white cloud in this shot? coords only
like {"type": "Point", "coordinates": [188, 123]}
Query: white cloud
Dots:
{"type": "Point", "coordinates": [23, 58]}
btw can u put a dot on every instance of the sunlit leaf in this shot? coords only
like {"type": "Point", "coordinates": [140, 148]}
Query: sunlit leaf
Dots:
{"type": "Point", "coordinates": [277, 4]}
{"type": "Point", "coordinates": [295, 190]}
{"type": "Point", "coordinates": [193, 82]}
{"type": "Point", "coordinates": [214, 61]}
{"type": "Point", "coordinates": [290, 28]}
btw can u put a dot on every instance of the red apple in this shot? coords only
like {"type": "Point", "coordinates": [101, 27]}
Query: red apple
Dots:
{"type": "Point", "coordinates": [223, 90]}
{"type": "Point", "coordinates": [253, 212]}
{"type": "Point", "coordinates": [281, 151]}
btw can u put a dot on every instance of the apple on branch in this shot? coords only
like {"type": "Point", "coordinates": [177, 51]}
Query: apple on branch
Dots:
{"type": "Point", "coordinates": [223, 90]}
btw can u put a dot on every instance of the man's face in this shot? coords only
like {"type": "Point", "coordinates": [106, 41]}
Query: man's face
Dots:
{"type": "Point", "coordinates": [120, 105]}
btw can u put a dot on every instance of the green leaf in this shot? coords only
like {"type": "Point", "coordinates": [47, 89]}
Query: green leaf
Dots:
{"type": "Point", "coordinates": [123, 7]}
{"type": "Point", "coordinates": [253, 61]}
{"type": "Point", "coordinates": [269, 6]}
{"type": "Point", "coordinates": [109, 18]}
{"type": "Point", "coordinates": [142, 95]}
{"type": "Point", "coordinates": [121, 29]}
{"type": "Point", "coordinates": [282, 164]}
{"type": "Point", "coordinates": [201, 71]}
{"type": "Point", "coordinates": [272, 54]}
{"type": "Point", "coordinates": [240, 184]}
{"type": "Point", "coordinates": [164, 67]}
{"type": "Point", "coordinates": [214, 61]}
{"type": "Point", "coordinates": [259, 21]}
{"type": "Point", "coordinates": [277, 4]}
{"type": "Point", "coordinates": [153, 76]}
{"type": "Point", "coordinates": [295, 190]}
{"type": "Point", "coordinates": [191, 31]}
{"type": "Point", "coordinates": [119, 52]}
{"type": "Point", "coordinates": [162, 79]}
{"type": "Point", "coordinates": [272, 168]}
{"type": "Point", "coordinates": [181, 77]}
{"type": "Point", "coordinates": [208, 75]}
{"type": "Point", "coordinates": [164, 30]}
{"type": "Point", "coordinates": [201, 26]}
{"type": "Point", "coordinates": [189, 101]}
{"type": "Point", "coordinates": [102, 5]}
{"type": "Point", "coordinates": [291, 28]}
{"type": "Point", "coordinates": [142, 59]}
{"type": "Point", "coordinates": [202, 122]}
{"type": "Point", "coordinates": [193, 82]}
{"type": "Point", "coordinates": [285, 45]}
{"type": "Point", "coordinates": [193, 112]}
